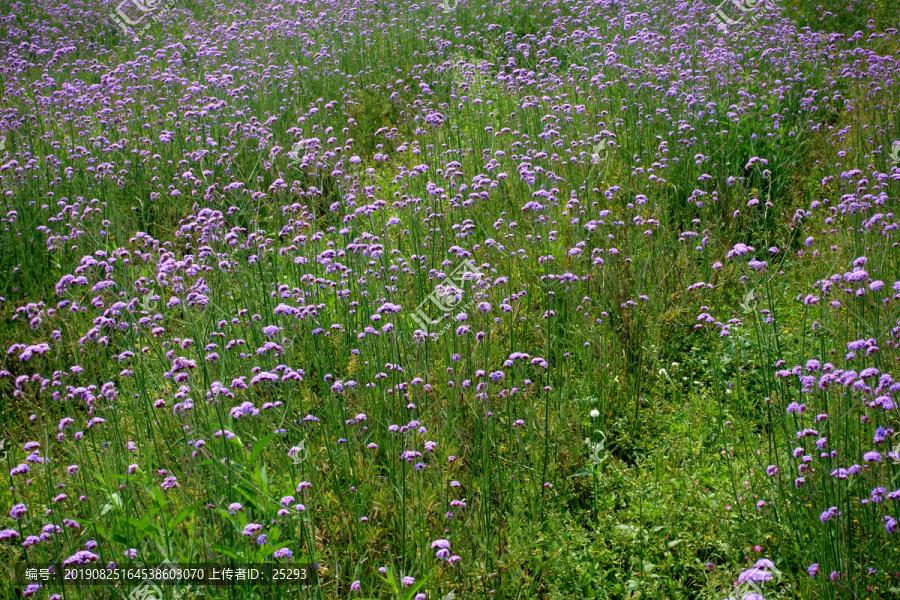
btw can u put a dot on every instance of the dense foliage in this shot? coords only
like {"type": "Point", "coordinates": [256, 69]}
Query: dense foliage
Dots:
{"type": "Point", "coordinates": [582, 299]}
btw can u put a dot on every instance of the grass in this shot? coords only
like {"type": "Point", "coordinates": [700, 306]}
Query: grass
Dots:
{"type": "Point", "coordinates": [211, 348]}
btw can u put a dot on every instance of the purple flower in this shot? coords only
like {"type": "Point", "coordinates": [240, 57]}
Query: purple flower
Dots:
{"type": "Point", "coordinates": [31, 589]}
{"type": "Point", "coordinates": [408, 580]}
{"type": "Point", "coordinates": [793, 407]}
{"type": "Point", "coordinates": [740, 250]}
{"type": "Point", "coordinates": [757, 265]}
{"type": "Point", "coordinates": [872, 456]}
{"type": "Point", "coordinates": [271, 331]}
{"type": "Point", "coordinates": [20, 469]}
{"type": "Point", "coordinates": [18, 511]}
{"type": "Point", "coordinates": [81, 557]}
{"type": "Point", "coordinates": [829, 514]}
{"type": "Point", "coordinates": [813, 569]}
{"type": "Point", "coordinates": [245, 409]}
{"type": "Point", "coordinates": [283, 553]}
{"type": "Point", "coordinates": [755, 575]}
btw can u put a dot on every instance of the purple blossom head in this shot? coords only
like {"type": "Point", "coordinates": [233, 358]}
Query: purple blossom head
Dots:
{"type": "Point", "coordinates": [81, 557]}
{"type": "Point", "coordinates": [872, 456]}
{"type": "Point", "coordinates": [19, 469]}
{"type": "Point", "coordinates": [739, 250]}
{"type": "Point", "coordinates": [271, 331]}
{"type": "Point", "coordinates": [755, 575]}
{"type": "Point", "coordinates": [829, 514]}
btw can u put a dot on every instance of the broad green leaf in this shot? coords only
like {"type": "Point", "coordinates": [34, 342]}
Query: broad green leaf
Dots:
{"type": "Point", "coordinates": [259, 447]}
{"type": "Point", "coordinates": [181, 516]}
{"type": "Point", "coordinates": [141, 525]}
{"type": "Point", "coordinates": [226, 552]}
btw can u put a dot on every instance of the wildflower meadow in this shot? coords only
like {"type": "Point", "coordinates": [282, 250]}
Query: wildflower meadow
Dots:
{"type": "Point", "coordinates": [453, 299]}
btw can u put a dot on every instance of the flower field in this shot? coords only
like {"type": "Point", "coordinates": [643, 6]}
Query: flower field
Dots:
{"type": "Point", "coordinates": [451, 300]}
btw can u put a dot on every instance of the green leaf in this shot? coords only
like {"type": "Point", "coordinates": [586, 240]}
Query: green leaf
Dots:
{"type": "Point", "coordinates": [261, 479]}
{"type": "Point", "coordinates": [99, 478]}
{"type": "Point", "coordinates": [181, 516]}
{"type": "Point", "coordinates": [115, 502]}
{"type": "Point", "coordinates": [415, 588]}
{"type": "Point", "coordinates": [390, 580]}
{"type": "Point", "coordinates": [260, 447]}
{"type": "Point", "coordinates": [141, 525]}
{"type": "Point", "coordinates": [226, 552]}
{"type": "Point", "coordinates": [250, 497]}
